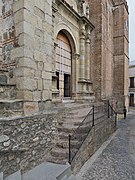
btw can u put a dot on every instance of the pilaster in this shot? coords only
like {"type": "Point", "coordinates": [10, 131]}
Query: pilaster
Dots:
{"type": "Point", "coordinates": [87, 63]}
{"type": "Point", "coordinates": [82, 50]}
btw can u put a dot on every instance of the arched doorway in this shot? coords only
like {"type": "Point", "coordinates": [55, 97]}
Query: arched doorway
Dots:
{"type": "Point", "coordinates": [63, 65]}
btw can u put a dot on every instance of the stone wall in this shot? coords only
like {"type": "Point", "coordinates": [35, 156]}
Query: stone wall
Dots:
{"type": "Point", "coordinates": [109, 49]}
{"type": "Point", "coordinates": [33, 22]}
{"type": "Point", "coordinates": [26, 142]}
{"type": "Point", "coordinates": [101, 15]}
{"type": "Point", "coordinates": [96, 44]}
{"type": "Point", "coordinates": [121, 58]}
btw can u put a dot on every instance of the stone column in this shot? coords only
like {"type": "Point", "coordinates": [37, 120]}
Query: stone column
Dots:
{"type": "Point", "coordinates": [54, 61]}
{"type": "Point", "coordinates": [75, 73]}
{"type": "Point", "coordinates": [82, 51]}
{"type": "Point", "coordinates": [87, 60]}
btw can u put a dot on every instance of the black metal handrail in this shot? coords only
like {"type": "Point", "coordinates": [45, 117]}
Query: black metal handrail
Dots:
{"type": "Point", "coordinates": [75, 132]}
{"type": "Point", "coordinates": [112, 112]}
{"type": "Point", "coordinates": [89, 120]}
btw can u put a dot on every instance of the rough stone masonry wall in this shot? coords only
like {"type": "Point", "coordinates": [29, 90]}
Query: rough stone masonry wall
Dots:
{"type": "Point", "coordinates": [26, 142]}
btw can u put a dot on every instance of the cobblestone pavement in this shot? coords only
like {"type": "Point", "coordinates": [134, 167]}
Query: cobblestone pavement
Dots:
{"type": "Point", "coordinates": [115, 160]}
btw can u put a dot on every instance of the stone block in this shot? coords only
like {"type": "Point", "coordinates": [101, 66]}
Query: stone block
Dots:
{"type": "Point", "coordinates": [37, 95]}
{"type": "Point", "coordinates": [40, 4]}
{"type": "Point", "coordinates": [40, 84]}
{"type": "Point", "coordinates": [39, 32]}
{"type": "Point", "coordinates": [17, 53]}
{"type": "Point", "coordinates": [48, 19]}
{"type": "Point", "coordinates": [26, 95]}
{"type": "Point", "coordinates": [19, 28]}
{"type": "Point", "coordinates": [38, 12]}
{"type": "Point", "coordinates": [3, 78]}
{"type": "Point", "coordinates": [48, 8]}
{"type": "Point", "coordinates": [3, 138]}
{"type": "Point", "coordinates": [27, 41]}
{"type": "Point", "coordinates": [19, 16]}
{"type": "Point", "coordinates": [40, 66]}
{"type": "Point", "coordinates": [30, 108]}
{"type": "Point", "coordinates": [47, 84]}
{"type": "Point", "coordinates": [24, 72]}
{"type": "Point", "coordinates": [39, 56]}
{"type": "Point", "coordinates": [46, 94]}
{"type": "Point", "coordinates": [30, 18]}
{"type": "Point", "coordinates": [46, 75]}
{"type": "Point", "coordinates": [17, 5]}
{"type": "Point", "coordinates": [38, 74]}
{"type": "Point", "coordinates": [24, 83]}
{"type": "Point", "coordinates": [26, 62]}
{"type": "Point", "coordinates": [48, 49]}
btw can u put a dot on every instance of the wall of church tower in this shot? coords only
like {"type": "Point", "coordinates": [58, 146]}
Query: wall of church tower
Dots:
{"type": "Point", "coordinates": [102, 48]}
{"type": "Point", "coordinates": [96, 43]}
{"type": "Point", "coordinates": [121, 52]}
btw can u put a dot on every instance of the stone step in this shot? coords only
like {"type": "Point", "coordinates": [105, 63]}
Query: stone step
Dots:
{"type": "Point", "coordinates": [11, 108]}
{"type": "Point", "coordinates": [15, 176]}
{"type": "Point", "coordinates": [53, 159]}
{"type": "Point", "coordinates": [70, 129]}
{"type": "Point", "coordinates": [65, 144]}
{"type": "Point", "coordinates": [79, 113]}
{"type": "Point", "coordinates": [72, 177]}
{"type": "Point", "coordinates": [1, 176]}
{"type": "Point", "coordinates": [65, 136]}
{"type": "Point", "coordinates": [48, 171]}
{"type": "Point", "coordinates": [62, 153]}
{"type": "Point", "coordinates": [7, 91]}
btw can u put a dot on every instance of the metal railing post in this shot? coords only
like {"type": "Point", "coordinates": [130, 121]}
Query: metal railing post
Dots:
{"type": "Point", "coordinates": [115, 120]}
{"type": "Point", "coordinates": [69, 140]}
{"type": "Point", "coordinates": [108, 110]}
{"type": "Point", "coordinates": [93, 124]}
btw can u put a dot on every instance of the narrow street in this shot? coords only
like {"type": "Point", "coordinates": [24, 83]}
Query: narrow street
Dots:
{"type": "Point", "coordinates": [115, 160]}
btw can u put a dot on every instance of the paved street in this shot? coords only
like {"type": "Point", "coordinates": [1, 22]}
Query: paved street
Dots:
{"type": "Point", "coordinates": [115, 160]}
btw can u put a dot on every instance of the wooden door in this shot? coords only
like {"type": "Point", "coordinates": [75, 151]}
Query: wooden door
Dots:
{"type": "Point", "coordinates": [63, 64]}
{"type": "Point", "coordinates": [131, 101]}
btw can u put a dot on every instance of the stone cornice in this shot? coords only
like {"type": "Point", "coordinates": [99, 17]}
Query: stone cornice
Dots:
{"type": "Point", "coordinates": [73, 12]}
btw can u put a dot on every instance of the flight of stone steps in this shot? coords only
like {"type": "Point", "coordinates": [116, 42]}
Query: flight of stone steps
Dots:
{"type": "Point", "coordinates": [71, 124]}
{"type": "Point", "coordinates": [9, 105]}
{"type": "Point", "coordinates": [44, 171]}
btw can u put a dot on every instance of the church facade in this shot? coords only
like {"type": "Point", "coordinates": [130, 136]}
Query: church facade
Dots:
{"type": "Point", "coordinates": [63, 49]}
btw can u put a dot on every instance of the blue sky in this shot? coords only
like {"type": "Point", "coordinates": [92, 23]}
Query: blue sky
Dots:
{"type": "Point", "coordinates": [131, 4]}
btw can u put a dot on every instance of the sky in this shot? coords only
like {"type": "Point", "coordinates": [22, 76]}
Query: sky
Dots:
{"type": "Point", "coordinates": [131, 4]}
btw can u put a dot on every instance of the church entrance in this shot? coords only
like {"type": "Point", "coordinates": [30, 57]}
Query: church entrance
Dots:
{"type": "Point", "coordinates": [63, 65]}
